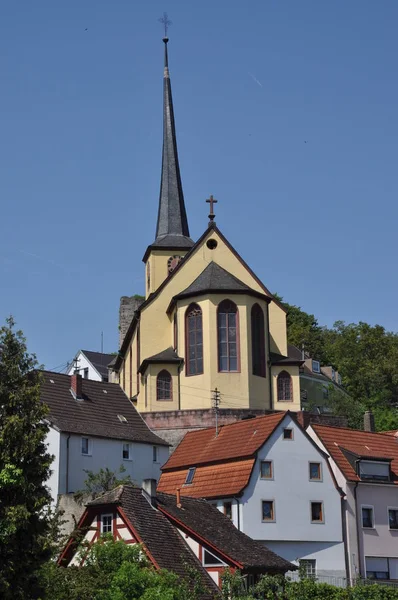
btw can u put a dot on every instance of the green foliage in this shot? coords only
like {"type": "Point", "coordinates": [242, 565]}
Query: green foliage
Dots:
{"type": "Point", "coordinates": [113, 571]}
{"type": "Point", "coordinates": [103, 481]}
{"type": "Point", "coordinates": [24, 468]}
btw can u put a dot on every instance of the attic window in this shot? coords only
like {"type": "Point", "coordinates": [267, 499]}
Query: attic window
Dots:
{"type": "Point", "coordinates": [105, 392]}
{"type": "Point", "coordinates": [51, 380]}
{"type": "Point", "coordinates": [209, 560]}
{"type": "Point", "coordinates": [374, 470]}
{"type": "Point", "coordinates": [122, 418]}
{"type": "Point", "coordinates": [211, 244]}
{"type": "Point", "coordinates": [190, 475]}
{"type": "Point", "coordinates": [316, 366]}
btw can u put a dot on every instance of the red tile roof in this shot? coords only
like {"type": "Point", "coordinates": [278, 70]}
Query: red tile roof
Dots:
{"type": "Point", "coordinates": [235, 441]}
{"type": "Point", "coordinates": [362, 443]}
{"type": "Point", "coordinates": [210, 481]}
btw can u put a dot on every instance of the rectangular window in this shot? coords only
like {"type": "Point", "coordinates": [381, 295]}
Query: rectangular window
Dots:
{"type": "Point", "coordinates": [316, 366]}
{"type": "Point", "coordinates": [268, 510]}
{"type": "Point", "coordinates": [374, 470]}
{"type": "Point", "coordinates": [106, 523]}
{"type": "Point", "coordinates": [190, 475]}
{"type": "Point", "coordinates": [393, 518]}
{"type": "Point", "coordinates": [315, 471]}
{"type": "Point", "coordinates": [377, 568]}
{"type": "Point", "coordinates": [228, 509]}
{"type": "Point", "coordinates": [367, 517]}
{"type": "Point", "coordinates": [126, 451]}
{"type": "Point", "coordinates": [266, 470]}
{"type": "Point", "coordinates": [317, 512]}
{"type": "Point", "coordinates": [308, 567]}
{"type": "Point", "coordinates": [288, 434]}
{"type": "Point", "coordinates": [86, 446]}
{"type": "Point", "coordinates": [155, 453]}
{"type": "Point", "coordinates": [85, 373]}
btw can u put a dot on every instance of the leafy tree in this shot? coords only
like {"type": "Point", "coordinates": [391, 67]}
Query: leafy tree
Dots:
{"type": "Point", "coordinates": [103, 481]}
{"type": "Point", "coordinates": [24, 468]}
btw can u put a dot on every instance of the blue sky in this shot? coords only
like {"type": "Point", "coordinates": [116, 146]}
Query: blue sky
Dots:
{"type": "Point", "coordinates": [286, 111]}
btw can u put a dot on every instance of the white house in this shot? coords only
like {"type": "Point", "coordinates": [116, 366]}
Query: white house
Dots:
{"type": "Point", "coordinates": [273, 481]}
{"type": "Point", "coordinates": [365, 465]}
{"type": "Point", "coordinates": [91, 365]}
{"type": "Point", "coordinates": [94, 425]}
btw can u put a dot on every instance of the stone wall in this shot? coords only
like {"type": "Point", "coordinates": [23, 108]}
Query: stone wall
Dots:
{"type": "Point", "coordinates": [128, 306]}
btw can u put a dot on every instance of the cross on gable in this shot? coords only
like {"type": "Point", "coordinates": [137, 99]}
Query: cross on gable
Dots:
{"type": "Point", "coordinates": [211, 201]}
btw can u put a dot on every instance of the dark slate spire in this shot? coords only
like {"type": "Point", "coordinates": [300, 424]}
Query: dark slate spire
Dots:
{"type": "Point", "coordinates": [172, 226]}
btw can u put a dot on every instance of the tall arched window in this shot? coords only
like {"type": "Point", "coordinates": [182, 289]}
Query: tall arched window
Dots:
{"type": "Point", "coordinates": [194, 340]}
{"type": "Point", "coordinates": [285, 391]}
{"type": "Point", "coordinates": [164, 386]}
{"type": "Point", "coordinates": [258, 340]}
{"type": "Point", "coordinates": [228, 336]}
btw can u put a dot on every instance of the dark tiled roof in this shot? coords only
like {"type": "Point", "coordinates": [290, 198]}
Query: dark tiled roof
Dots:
{"type": "Point", "coordinates": [97, 414]}
{"type": "Point", "coordinates": [168, 356]}
{"type": "Point", "coordinates": [159, 536]}
{"type": "Point", "coordinates": [100, 361]}
{"type": "Point", "coordinates": [219, 532]}
{"type": "Point", "coordinates": [216, 279]}
{"type": "Point", "coordinates": [279, 359]}
{"type": "Point", "coordinates": [367, 445]}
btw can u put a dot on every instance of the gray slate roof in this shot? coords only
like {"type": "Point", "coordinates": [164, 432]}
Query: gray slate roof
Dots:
{"type": "Point", "coordinates": [99, 360]}
{"type": "Point", "coordinates": [97, 414]}
{"type": "Point", "coordinates": [168, 356]}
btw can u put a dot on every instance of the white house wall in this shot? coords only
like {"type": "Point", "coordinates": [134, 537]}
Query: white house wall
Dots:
{"type": "Point", "coordinates": [106, 453]}
{"type": "Point", "coordinates": [53, 446]}
{"type": "Point", "coordinates": [328, 555]}
{"type": "Point", "coordinates": [84, 363]}
{"type": "Point", "coordinates": [292, 493]}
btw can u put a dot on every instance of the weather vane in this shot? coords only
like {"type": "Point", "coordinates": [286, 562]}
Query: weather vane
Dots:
{"type": "Point", "coordinates": [166, 23]}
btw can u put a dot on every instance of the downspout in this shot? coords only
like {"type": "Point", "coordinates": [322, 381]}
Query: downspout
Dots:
{"type": "Point", "coordinates": [179, 387]}
{"type": "Point", "coordinates": [357, 532]}
{"type": "Point", "coordinates": [67, 463]}
{"type": "Point", "coordinates": [271, 400]}
{"type": "Point", "coordinates": [345, 541]}
{"type": "Point", "coordinates": [238, 504]}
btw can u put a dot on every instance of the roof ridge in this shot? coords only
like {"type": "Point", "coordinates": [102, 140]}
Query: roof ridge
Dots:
{"type": "Point", "coordinates": [347, 429]}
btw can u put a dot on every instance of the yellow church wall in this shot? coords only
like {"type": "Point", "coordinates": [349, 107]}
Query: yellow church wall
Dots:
{"type": "Point", "coordinates": [158, 268]}
{"type": "Point", "coordinates": [278, 329]}
{"type": "Point", "coordinates": [147, 398]}
{"type": "Point", "coordinates": [294, 373]}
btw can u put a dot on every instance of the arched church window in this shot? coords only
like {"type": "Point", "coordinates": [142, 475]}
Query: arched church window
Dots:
{"type": "Point", "coordinates": [258, 340]}
{"type": "Point", "coordinates": [164, 386]}
{"type": "Point", "coordinates": [228, 336]}
{"type": "Point", "coordinates": [285, 390]}
{"type": "Point", "coordinates": [194, 340]}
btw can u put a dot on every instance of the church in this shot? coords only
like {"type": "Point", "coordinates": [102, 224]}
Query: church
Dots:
{"type": "Point", "coordinates": [209, 333]}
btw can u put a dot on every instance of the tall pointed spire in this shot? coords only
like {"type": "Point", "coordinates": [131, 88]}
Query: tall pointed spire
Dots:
{"type": "Point", "coordinates": [172, 224]}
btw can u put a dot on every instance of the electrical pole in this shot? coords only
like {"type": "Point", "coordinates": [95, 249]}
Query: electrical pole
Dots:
{"type": "Point", "coordinates": [216, 404]}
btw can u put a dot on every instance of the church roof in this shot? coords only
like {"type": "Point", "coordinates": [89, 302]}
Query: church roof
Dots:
{"type": "Point", "coordinates": [97, 414]}
{"type": "Point", "coordinates": [172, 229]}
{"type": "Point", "coordinates": [168, 356]}
{"type": "Point", "coordinates": [217, 280]}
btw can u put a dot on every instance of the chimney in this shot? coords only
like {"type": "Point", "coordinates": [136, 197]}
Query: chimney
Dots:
{"type": "Point", "coordinates": [178, 498]}
{"type": "Point", "coordinates": [76, 385]}
{"type": "Point", "coordinates": [369, 421]}
{"type": "Point", "coordinates": [149, 487]}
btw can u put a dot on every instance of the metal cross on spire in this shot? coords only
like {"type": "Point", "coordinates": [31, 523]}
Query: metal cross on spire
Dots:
{"type": "Point", "coordinates": [166, 23]}
{"type": "Point", "coordinates": [211, 201]}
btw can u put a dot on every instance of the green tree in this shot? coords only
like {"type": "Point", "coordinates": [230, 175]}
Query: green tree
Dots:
{"type": "Point", "coordinates": [104, 480]}
{"type": "Point", "coordinates": [24, 468]}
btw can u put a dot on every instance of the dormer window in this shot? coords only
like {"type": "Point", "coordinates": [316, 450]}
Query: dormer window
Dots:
{"type": "Point", "coordinates": [375, 470]}
{"type": "Point", "coordinates": [190, 475]}
{"type": "Point", "coordinates": [316, 366]}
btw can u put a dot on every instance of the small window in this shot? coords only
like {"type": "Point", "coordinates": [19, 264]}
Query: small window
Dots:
{"type": "Point", "coordinates": [333, 375]}
{"type": "Point", "coordinates": [393, 518]}
{"type": "Point", "coordinates": [126, 451]}
{"type": "Point", "coordinates": [155, 454]}
{"type": "Point", "coordinates": [317, 512]}
{"type": "Point", "coordinates": [268, 510]}
{"type": "Point", "coordinates": [86, 446]}
{"type": "Point", "coordinates": [266, 470]}
{"type": "Point", "coordinates": [228, 509]}
{"type": "Point", "coordinates": [374, 470]}
{"type": "Point", "coordinates": [288, 434]}
{"type": "Point", "coordinates": [106, 524]}
{"type": "Point", "coordinates": [85, 373]}
{"type": "Point", "coordinates": [367, 517]}
{"type": "Point", "coordinates": [377, 567]}
{"type": "Point", "coordinates": [316, 366]}
{"type": "Point", "coordinates": [209, 560]}
{"type": "Point", "coordinates": [164, 386]}
{"type": "Point", "coordinates": [315, 471]}
{"type": "Point", "coordinates": [190, 475]}
{"type": "Point", "coordinates": [325, 392]}
{"type": "Point", "coordinates": [308, 567]}
{"type": "Point", "coordinates": [285, 388]}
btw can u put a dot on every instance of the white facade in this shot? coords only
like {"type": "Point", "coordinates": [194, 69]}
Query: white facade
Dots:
{"type": "Point", "coordinates": [68, 468]}
{"type": "Point", "coordinates": [86, 368]}
{"type": "Point", "coordinates": [291, 532]}
{"type": "Point", "coordinates": [368, 548]}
